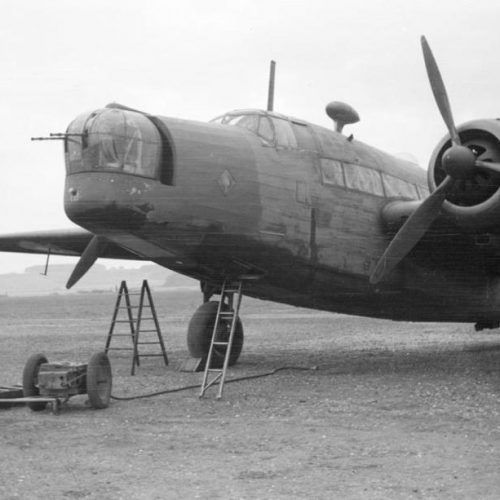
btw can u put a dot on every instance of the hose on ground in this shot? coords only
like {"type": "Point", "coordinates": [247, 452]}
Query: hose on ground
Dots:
{"type": "Point", "coordinates": [196, 386]}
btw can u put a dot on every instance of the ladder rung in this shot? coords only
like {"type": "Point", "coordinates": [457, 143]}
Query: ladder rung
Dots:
{"type": "Point", "coordinates": [120, 348]}
{"type": "Point", "coordinates": [148, 343]}
{"type": "Point", "coordinates": [121, 335]}
{"type": "Point", "coordinates": [227, 314]}
{"type": "Point", "coordinates": [230, 291]}
{"type": "Point", "coordinates": [146, 331]}
{"type": "Point", "coordinates": [220, 343]}
{"type": "Point", "coordinates": [215, 370]}
{"type": "Point", "coordinates": [142, 319]}
{"type": "Point", "coordinates": [130, 321]}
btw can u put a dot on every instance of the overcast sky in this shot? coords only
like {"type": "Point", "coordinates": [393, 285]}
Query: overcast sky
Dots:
{"type": "Point", "coordinates": [196, 59]}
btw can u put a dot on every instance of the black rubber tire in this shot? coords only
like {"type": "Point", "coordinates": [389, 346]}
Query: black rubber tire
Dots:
{"type": "Point", "coordinates": [99, 380]}
{"type": "Point", "coordinates": [30, 380]}
{"type": "Point", "coordinates": [200, 332]}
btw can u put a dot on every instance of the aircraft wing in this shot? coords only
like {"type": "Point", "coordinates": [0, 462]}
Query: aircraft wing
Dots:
{"type": "Point", "coordinates": [70, 242]}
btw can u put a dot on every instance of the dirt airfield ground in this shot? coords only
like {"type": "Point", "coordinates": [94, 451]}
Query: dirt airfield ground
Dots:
{"type": "Point", "coordinates": [393, 411]}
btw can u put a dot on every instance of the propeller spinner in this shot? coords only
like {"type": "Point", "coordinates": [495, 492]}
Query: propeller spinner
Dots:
{"type": "Point", "coordinates": [458, 162]}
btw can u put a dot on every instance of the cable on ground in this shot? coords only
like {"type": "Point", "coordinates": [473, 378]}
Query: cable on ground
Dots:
{"type": "Point", "coordinates": [197, 386]}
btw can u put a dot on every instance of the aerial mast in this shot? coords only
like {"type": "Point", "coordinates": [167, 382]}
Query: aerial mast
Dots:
{"type": "Point", "coordinates": [270, 93]}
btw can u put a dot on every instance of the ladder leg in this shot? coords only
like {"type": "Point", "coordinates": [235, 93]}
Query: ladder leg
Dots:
{"type": "Point", "coordinates": [225, 312]}
{"type": "Point", "coordinates": [123, 294]}
{"type": "Point", "coordinates": [146, 301]}
{"type": "Point", "coordinates": [131, 321]}
{"type": "Point", "coordinates": [205, 384]}
{"type": "Point", "coordinates": [136, 326]}
{"type": "Point", "coordinates": [157, 323]}
{"type": "Point", "coordinates": [115, 314]}
{"type": "Point", "coordinates": [135, 360]}
{"type": "Point", "coordinates": [231, 338]}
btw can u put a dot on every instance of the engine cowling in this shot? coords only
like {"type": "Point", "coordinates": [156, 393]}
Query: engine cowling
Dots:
{"type": "Point", "coordinates": [473, 203]}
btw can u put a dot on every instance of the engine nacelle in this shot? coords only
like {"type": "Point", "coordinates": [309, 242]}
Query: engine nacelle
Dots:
{"type": "Point", "coordinates": [473, 203]}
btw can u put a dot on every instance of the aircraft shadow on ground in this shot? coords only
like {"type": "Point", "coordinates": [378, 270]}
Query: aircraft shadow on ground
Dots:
{"type": "Point", "coordinates": [480, 357]}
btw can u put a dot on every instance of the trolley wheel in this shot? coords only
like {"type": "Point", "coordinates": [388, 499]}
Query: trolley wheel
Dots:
{"type": "Point", "coordinates": [30, 380]}
{"type": "Point", "coordinates": [99, 380]}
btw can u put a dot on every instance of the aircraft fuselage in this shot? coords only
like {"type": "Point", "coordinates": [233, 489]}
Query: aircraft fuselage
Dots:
{"type": "Point", "coordinates": [213, 200]}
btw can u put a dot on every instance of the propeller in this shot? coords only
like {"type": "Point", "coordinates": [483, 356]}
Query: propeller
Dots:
{"type": "Point", "coordinates": [459, 163]}
{"type": "Point", "coordinates": [91, 253]}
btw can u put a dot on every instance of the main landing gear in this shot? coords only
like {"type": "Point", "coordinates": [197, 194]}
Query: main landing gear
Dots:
{"type": "Point", "coordinates": [201, 328]}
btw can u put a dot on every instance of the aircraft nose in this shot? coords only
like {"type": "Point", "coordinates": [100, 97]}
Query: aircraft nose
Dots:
{"type": "Point", "coordinates": [111, 154]}
{"type": "Point", "coordinates": [104, 200]}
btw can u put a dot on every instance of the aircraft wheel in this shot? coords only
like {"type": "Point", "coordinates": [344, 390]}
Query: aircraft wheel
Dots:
{"type": "Point", "coordinates": [30, 380]}
{"type": "Point", "coordinates": [200, 333]}
{"type": "Point", "coordinates": [99, 381]}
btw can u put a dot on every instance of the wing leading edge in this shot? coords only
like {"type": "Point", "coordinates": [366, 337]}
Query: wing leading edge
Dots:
{"type": "Point", "coordinates": [69, 242]}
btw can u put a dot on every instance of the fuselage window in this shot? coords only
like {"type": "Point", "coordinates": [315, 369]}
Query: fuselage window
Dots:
{"type": "Point", "coordinates": [285, 137]}
{"type": "Point", "coordinates": [304, 138]}
{"type": "Point", "coordinates": [332, 172]}
{"type": "Point", "coordinates": [363, 179]}
{"type": "Point", "coordinates": [398, 188]}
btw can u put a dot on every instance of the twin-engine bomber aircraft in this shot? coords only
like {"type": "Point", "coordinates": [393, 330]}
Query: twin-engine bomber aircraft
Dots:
{"type": "Point", "coordinates": [298, 213]}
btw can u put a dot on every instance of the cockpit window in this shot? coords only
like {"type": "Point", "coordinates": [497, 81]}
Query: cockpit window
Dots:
{"type": "Point", "coordinates": [115, 139]}
{"type": "Point", "coordinates": [304, 137]}
{"type": "Point", "coordinates": [250, 122]}
{"type": "Point", "coordinates": [259, 125]}
{"type": "Point", "coordinates": [285, 137]}
{"type": "Point", "coordinates": [272, 130]}
{"type": "Point", "coordinates": [266, 129]}
{"type": "Point", "coordinates": [218, 119]}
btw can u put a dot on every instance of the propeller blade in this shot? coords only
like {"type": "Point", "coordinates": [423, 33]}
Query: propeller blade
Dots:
{"type": "Point", "coordinates": [87, 259]}
{"type": "Point", "coordinates": [488, 165]}
{"type": "Point", "coordinates": [439, 91]}
{"type": "Point", "coordinates": [411, 231]}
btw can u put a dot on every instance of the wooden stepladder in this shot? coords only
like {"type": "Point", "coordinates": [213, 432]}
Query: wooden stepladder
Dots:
{"type": "Point", "coordinates": [227, 312]}
{"type": "Point", "coordinates": [136, 326]}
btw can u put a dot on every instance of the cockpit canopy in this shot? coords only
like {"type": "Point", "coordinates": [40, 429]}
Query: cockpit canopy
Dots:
{"type": "Point", "coordinates": [272, 128]}
{"type": "Point", "coordinates": [113, 140]}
